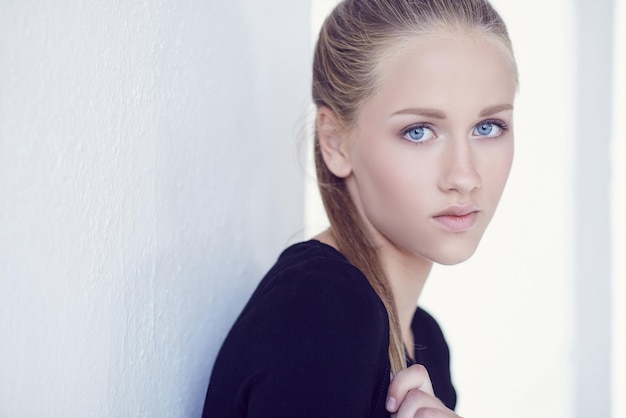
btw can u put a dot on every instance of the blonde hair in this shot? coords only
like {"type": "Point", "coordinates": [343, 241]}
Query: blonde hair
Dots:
{"type": "Point", "coordinates": [353, 43]}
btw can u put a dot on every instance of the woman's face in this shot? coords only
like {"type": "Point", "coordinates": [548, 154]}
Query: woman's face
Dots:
{"type": "Point", "coordinates": [431, 151]}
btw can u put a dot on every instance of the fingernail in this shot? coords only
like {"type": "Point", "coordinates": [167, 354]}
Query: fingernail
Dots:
{"type": "Point", "coordinates": [391, 405]}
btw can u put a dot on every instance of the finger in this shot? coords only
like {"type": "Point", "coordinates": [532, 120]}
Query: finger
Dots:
{"type": "Point", "coordinates": [434, 413]}
{"type": "Point", "coordinates": [414, 377]}
{"type": "Point", "coordinates": [418, 403]}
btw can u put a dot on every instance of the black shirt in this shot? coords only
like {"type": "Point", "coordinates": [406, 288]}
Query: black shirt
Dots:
{"type": "Point", "coordinates": [313, 341]}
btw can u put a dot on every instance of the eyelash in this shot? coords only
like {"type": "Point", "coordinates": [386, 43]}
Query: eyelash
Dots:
{"type": "Point", "coordinates": [406, 131]}
{"type": "Point", "coordinates": [496, 122]}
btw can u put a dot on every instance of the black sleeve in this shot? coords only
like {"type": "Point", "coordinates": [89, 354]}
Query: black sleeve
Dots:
{"type": "Point", "coordinates": [432, 351]}
{"type": "Point", "coordinates": [310, 345]}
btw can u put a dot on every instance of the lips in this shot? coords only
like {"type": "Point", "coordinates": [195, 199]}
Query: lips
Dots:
{"type": "Point", "coordinates": [457, 218]}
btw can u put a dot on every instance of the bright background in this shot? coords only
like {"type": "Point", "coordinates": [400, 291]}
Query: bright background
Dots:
{"type": "Point", "coordinates": [151, 170]}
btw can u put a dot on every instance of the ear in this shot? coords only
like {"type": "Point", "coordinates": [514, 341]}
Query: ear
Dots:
{"type": "Point", "coordinates": [333, 143]}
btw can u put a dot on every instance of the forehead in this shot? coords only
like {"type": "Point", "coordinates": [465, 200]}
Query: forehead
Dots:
{"type": "Point", "coordinates": [445, 72]}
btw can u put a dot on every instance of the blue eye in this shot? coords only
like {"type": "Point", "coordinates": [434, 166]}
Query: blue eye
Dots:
{"type": "Point", "coordinates": [489, 129]}
{"type": "Point", "coordinates": [416, 134]}
{"type": "Point", "coordinates": [419, 133]}
{"type": "Point", "coordinates": [485, 128]}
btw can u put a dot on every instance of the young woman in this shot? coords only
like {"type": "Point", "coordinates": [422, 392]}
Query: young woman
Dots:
{"type": "Point", "coordinates": [413, 147]}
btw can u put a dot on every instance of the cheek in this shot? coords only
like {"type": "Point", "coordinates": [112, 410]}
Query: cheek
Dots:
{"type": "Point", "coordinates": [495, 167]}
{"type": "Point", "coordinates": [397, 181]}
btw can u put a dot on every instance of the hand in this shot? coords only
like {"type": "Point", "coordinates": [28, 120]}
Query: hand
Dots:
{"type": "Point", "coordinates": [411, 395]}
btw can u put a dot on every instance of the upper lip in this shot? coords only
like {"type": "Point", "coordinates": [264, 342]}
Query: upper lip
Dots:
{"type": "Point", "coordinates": [459, 210]}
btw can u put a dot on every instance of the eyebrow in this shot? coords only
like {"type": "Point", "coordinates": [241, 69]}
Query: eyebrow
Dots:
{"type": "Point", "coordinates": [422, 111]}
{"type": "Point", "coordinates": [495, 109]}
{"type": "Point", "coordinates": [438, 114]}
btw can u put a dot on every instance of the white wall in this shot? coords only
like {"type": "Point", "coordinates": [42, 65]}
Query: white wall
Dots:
{"type": "Point", "coordinates": [618, 198]}
{"type": "Point", "coordinates": [591, 265]}
{"type": "Point", "coordinates": [147, 179]}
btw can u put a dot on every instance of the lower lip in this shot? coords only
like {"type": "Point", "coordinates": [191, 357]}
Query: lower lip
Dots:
{"type": "Point", "coordinates": [453, 223]}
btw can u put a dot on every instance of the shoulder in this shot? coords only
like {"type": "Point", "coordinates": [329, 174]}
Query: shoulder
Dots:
{"type": "Point", "coordinates": [313, 325]}
{"type": "Point", "coordinates": [427, 331]}
{"type": "Point", "coordinates": [313, 262]}
{"type": "Point", "coordinates": [311, 286]}
{"type": "Point", "coordinates": [425, 322]}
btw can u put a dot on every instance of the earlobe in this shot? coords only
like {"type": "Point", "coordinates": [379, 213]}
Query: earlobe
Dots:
{"type": "Point", "coordinates": [332, 142]}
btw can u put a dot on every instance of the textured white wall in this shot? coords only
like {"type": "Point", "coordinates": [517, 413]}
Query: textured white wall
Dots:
{"type": "Point", "coordinates": [147, 179]}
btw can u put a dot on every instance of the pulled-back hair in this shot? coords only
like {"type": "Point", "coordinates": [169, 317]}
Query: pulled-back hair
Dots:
{"type": "Point", "coordinates": [357, 37]}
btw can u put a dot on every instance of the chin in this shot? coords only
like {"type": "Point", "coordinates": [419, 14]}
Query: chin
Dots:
{"type": "Point", "coordinates": [456, 256]}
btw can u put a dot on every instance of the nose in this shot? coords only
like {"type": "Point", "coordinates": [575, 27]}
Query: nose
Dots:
{"type": "Point", "coordinates": [459, 173]}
